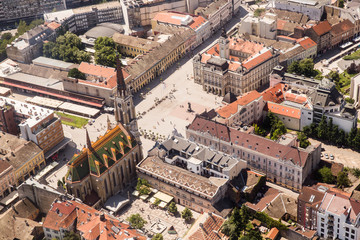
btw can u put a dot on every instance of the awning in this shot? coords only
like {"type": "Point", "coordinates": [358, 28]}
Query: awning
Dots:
{"type": "Point", "coordinates": [115, 203]}
{"type": "Point", "coordinates": [163, 197]}
{"type": "Point", "coordinates": [144, 197]}
{"type": "Point", "coordinates": [162, 204]}
{"type": "Point", "coordinates": [152, 200]}
{"type": "Point", "coordinates": [135, 193]}
{"type": "Point", "coordinates": [57, 147]}
{"type": "Point", "coordinates": [9, 198]}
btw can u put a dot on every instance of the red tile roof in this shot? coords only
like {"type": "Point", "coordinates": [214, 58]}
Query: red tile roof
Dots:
{"type": "Point", "coordinates": [272, 234]}
{"type": "Point", "coordinates": [250, 141]}
{"type": "Point", "coordinates": [176, 17]}
{"type": "Point", "coordinates": [228, 110]}
{"type": "Point", "coordinates": [53, 25]}
{"type": "Point", "coordinates": [210, 229]}
{"type": "Point", "coordinates": [268, 197]}
{"type": "Point", "coordinates": [280, 24]}
{"type": "Point", "coordinates": [306, 43]}
{"type": "Point", "coordinates": [4, 166]}
{"type": "Point", "coordinates": [295, 98]}
{"type": "Point", "coordinates": [322, 28]}
{"type": "Point", "coordinates": [342, 27]}
{"type": "Point", "coordinates": [257, 60]}
{"type": "Point", "coordinates": [274, 94]}
{"type": "Point", "coordinates": [284, 110]}
{"type": "Point", "coordinates": [107, 74]}
{"type": "Point", "coordinates": [64, 215]}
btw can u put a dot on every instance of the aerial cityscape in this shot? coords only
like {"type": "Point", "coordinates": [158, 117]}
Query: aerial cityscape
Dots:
{"type": "Point", "coordinates": [180, 120]}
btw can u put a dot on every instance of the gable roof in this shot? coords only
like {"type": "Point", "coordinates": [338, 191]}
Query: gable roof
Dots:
{"type": "Point", "coordinates": [306, 42]}
{"type": "Point", "coordinates": [230, 109]}
{"type": "Point", "coordinates": [311, 196]}
{"type": "Point", "coordinates": [105, 152]}
{"type": "Point", "coordinates": [322, 28]}
{"type": "Point", "coordinates": [210, 229]}
{"type": "Point", "coordinates": [341, 27]}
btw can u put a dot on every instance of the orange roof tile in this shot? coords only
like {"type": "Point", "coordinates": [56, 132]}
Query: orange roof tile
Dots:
{"type": "Point", "coordinates": [306, 43]}
{"type": "Point", "coordinates": [295, 98]}
{"type": "Point", "coordinates": [88, 222]}
{"type": "Point", "coordinates": [210, 229]}
{"type": "Point", "coordinates": [53, 25]}
{"type": "Point", "coordinates": [322, 28]}
{"type": "Point", "coordinates": [274, 94]}
{"type": "Point", "coordinates": [342, 27]}
{"type": "Point", "coordinates": [198, 21]}
{"type": "Point", "coordinates": [232, 108]}
{"type": "Point", "coordinates": [284, 110]}
{"type": "Point", "coordinates": [280, 24]}
{"type": "Point", "coordinates": [257, 60]}
{"type": "Point", "coordinates": [175, 18]}
{"type": "Point", "coordinates": [273, 233]}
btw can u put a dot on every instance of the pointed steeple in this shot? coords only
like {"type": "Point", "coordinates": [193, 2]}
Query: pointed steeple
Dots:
{"type": "Point", "coordinates": [88, 142]}
{"type": "Point", "coordinates": [121, 86]}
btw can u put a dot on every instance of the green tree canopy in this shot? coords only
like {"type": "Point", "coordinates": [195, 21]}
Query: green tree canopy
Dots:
{"type": "Point", "coordinates": [303, 139]}
{"type": "Point", "coordinates": [68, 48]}
{"type": "Point", "coordinates": [172, 208]}
{"type": "Point", "coordinates": [186, 214]}
{"type": "Point", "coordinates": [136, 221]}
{"type": "Point", "coordinates": [343, 180]}
{"type": "Point", "coordinates": [303, 67]}
{"type": "Point", "coordinates": [75, 73]}
{"type": "Point", "coordinates": [157, 236]}
{"type": "Point", "coordinates": [72, 236]}
{"type": "Point", "coordinates": [326, 175]}
{"type": "Point", "coordinates": [105, 51]}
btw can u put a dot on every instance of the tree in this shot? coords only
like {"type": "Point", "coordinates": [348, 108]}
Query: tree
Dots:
{"type": "Point", "coordinates": [343, 180]}
{"type": "Point", "coordinates": [136, 221]}
{"type": "Point", "coordinates": [6, 36]}
{"type": "Point", "coordinates": [258, 130]}
{"type": "Point", "coordinates": [322, 129]}
{"type": "Point", "coordinates": [71, 236]}
{"type": "Point", "coordinates": [326, 175]}
{"type": "Point", "coordinates": [157, 236]}
{"type": "Point", "coordinates": [75, 73]}
{"type": "Point", "coordinates": [254, 234]}
{"type": "Point", "coordinates": [186, 214]}
{"type": "Point", "coordinates": [294, 67]}
{"type": "Point", "coordinates": [341, 4]}
{"type": "Point", "coordinates": [172, 208]}
{"type": "Point", "coordinates": [304, 142]}
{"type": "Point", "coordinates": [105, 51]}
{"type": "Point", "coordinates": [157, 202]}
{"type": "Point", "coordinates": [350, 100]}
{"type": "Point", "coordinates": [334, 76]}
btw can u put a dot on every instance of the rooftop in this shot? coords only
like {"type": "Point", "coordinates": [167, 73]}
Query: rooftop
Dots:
{"type": "Point", "coordinates": [180, 19]}
{"type": "Point", "coordinates": [342, 27]}
{"type": "Point", "coordinates": [211, 8]}
{"type": "Point", "coordinates": [209, 228]}
{"type": "Point", "coordinates": [142, 43]}
{"type": "Point", "coordinates": [284, 110]}
{"type": "Point", "coordinates": [17, 150]}
{"type": "Point", "coordinates": [44, 61]}
{"type": "Point", "coordinates": [250, 141]}
{"type": "Point", "coordinates": [33, 114]}
{"type": "Point", "coordinates": [322, 28]}
{"type": "Point", "coordinates": [91, 224]}
{"type": "Point", "coordinates": [182, 177]}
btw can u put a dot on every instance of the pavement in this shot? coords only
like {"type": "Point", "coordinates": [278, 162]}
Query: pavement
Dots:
{"type": "Point", "coordinates": [153, 215]}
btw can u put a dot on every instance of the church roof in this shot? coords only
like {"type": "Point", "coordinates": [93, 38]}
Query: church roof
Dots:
{"type": "Point", "coordinates": [103, 154]}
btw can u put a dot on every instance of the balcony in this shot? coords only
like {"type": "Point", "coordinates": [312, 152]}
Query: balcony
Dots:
{"type": "Point", "coordinates": [330, 223]}
{"type": "Point", "coordinates": [331, 217]}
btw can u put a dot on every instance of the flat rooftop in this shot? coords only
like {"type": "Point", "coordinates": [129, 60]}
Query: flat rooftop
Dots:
{"type": "Point", "coordinates": [34, 113]}
{"type": "Point", "coordinates": [40, 81]}
{"type": "Point", "coordinates": [44, 61]}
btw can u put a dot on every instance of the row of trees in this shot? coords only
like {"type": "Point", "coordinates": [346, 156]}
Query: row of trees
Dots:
{"type": "Point", "coordinates": [331, 133]}
{"type": "Point", "coordinates": [105, 51]}
{"type": "Point", "coordinates": [304, 67]}
{"type": "Point", "coordinates": [68, 48]}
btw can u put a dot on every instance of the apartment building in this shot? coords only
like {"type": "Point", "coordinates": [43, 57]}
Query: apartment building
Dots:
{"type": "Point", "coordinates": [7, 177]}
{"type": "Point", "coordinates": [131, 46]}
{"type": "Point", "coordinates": [189, 189]}
{"type": "Point", "coordinates": [7, 119]}
{"type": "Point", "coordinates": [234, 65]}
{"type": "Point", "coordinates": [320, 34]}
{"type": "Point", "coordinates": [351, 13]}
{"type": "Point", "coordinates": [28, 46]}
{"type": "Point", "coordinates": [313, 9]}
{"type": "Point", "coordinates": [198, 24]}
{"type": "Point", "coordinates": [329, 211]}
{"type": "Point", "coordinates": [25, 158]}
{"type": "Point", "coordinates": [12, 11]}
{"type": "Point", "coordinates": [265, 27]}
{"type": "Point", "coordinates": [217, 13]}
{"type": "Point", "coordinates": [283, 164]}
{"type": "Point", "coordinates": [68, 215]}
{"type": "Point", "coordinates": [342, 32]}
{"type": "Point", "coordinates": [38, 124]}
{"type": "Point", "coordinates": [105, 167]}
{"type": "Point", "coordinates": [84, 18]}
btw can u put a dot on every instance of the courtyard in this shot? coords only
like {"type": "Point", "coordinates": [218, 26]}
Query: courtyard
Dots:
{"type": "Point", "coordinates": [155, 216]}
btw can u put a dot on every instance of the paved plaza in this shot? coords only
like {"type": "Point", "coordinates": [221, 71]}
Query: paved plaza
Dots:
{"type": "Point", "coordinates": [153, 215]}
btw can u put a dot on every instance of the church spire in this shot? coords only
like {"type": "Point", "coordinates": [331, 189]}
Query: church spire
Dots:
{"type": "Point", "coordinates": [88, 142]}
{"type": "Point", "coordinates": [121, 86]}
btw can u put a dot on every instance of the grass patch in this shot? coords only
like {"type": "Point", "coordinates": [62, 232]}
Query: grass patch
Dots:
{"type": "Point", "coordinates": [354, 56]}
{"type": "Point", "coordinates": [72, 120]}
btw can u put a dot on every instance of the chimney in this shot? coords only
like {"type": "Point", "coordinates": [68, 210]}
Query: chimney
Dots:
{"type": "Point", "coordinates": [102, 217]}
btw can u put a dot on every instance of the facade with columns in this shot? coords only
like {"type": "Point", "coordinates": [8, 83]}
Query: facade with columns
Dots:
{"type": "Point", "coordinates": [105, 167]}
{"type": "Point", "coordinates": [234, 65]}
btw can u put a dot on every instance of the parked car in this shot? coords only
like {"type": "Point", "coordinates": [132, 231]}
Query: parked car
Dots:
{"type": "Point", "coordinates": [326, 156]}
{"type": "Point", "coordinates": [332, 157]}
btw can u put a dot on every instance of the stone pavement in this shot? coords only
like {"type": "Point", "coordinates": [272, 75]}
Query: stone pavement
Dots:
{"type": "Point", "coordinates": [153, 215]}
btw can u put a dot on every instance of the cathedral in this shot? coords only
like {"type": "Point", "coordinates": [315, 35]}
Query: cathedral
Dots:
{"type": "Point", "coordinates": [107, 166]}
